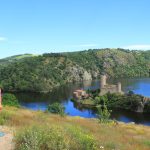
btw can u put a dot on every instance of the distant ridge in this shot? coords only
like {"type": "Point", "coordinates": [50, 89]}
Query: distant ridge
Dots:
{"type": "Point", "coordinates": [14, 58]}
{"type": "Point", "coordinates": [44, 72]}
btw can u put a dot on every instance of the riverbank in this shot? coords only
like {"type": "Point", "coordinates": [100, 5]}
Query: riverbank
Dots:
{"type": "Point", "coordinates": [129, 101]}
{"type": "Point", "coordinates": [80, 130]}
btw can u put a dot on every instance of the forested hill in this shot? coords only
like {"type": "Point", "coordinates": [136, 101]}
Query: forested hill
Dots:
{"type": "Point", "coordinates": [15, 58]}
{"type": "Point", "coordinates": [44, 72]}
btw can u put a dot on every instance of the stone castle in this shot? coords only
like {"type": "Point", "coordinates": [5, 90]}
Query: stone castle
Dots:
{"type": "Point", "coordinates": [105, 88]}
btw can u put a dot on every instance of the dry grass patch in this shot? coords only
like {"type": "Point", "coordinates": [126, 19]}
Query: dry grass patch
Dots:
{"type": "Point", "coordinates": [121, 136]}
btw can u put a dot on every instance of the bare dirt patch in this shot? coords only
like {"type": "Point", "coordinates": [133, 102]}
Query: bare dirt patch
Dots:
{"type": "Point", "coordinates": [6, 140]}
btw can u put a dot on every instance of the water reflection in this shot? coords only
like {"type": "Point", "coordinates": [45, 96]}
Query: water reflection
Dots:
{"type": "Point", "coordinates": [63, 94]}
{"type": "Point", "coordinates": [127, 116]}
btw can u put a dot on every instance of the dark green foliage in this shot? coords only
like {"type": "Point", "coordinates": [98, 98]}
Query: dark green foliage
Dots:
{"type": "Point", "coordinates": [101, 100]}
{"type": "Point", "coordinates": [128, 101]}
{"type": "Point", "coordinates": [103, 114]}
{"type": "Point", "coordinates": [147, 107]}
{"type": "Point", "coordinates": [10, 100]}
{"type": "Point", "coordinates": [45, 72]}
{"type": "Point", "coordinates": [93, 93]}
{"type": "Point", "coordinates": [56, 108]}
{"type": "Point", "coordinates": [130, 93]}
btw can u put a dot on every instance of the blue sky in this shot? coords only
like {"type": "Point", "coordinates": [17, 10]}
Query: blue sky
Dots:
{"type": "Point", "coordinates": [38, 26]}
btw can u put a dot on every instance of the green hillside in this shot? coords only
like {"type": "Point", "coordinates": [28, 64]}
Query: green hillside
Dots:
{"type": "Point", "coordinates": [15, 58]}
{"type": "Point", "coordinates": [45, 72]}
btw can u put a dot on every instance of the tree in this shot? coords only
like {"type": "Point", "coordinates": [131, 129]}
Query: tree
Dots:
{"type": "Point", "coordinates": [10, 100]}
{"type": "Point", "coordinates": [56, 108]}
{"type": "Point", "coordinates": [103, 114]}
{"type": "Point", "coordinates": [130, 93]}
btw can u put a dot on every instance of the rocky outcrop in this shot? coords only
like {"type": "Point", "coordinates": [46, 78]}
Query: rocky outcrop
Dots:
{"type": "Point", "coordinates": [86, 76]}
{"type": "Point", "coordinates": [77, 73]}
{"type": "Point", "coordinates": [140, 108]}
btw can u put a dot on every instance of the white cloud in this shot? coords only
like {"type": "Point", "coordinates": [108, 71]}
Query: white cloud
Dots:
{"type": "Point", "coordinates": [3, 39]}
{"type": "Point", "coordinates": [137, 47]}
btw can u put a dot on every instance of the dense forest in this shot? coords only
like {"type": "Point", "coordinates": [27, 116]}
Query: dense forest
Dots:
{"type": "Point", "coordinates": [42, 73]}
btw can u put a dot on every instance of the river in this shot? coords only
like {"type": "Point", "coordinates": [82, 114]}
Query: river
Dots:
{"type": "Point", "coordinates": [63, 95]}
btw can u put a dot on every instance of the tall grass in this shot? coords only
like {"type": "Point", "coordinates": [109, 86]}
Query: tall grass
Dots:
{"type": "Point", "coordinates": [53, 138]}
{"type": "Point", "coordinates": [36, 130]}
{"type": "Point", "coordinates": [5, 116]}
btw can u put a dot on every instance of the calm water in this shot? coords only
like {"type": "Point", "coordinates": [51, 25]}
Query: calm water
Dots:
{"type": "Point", "coordinates": [63, 95]}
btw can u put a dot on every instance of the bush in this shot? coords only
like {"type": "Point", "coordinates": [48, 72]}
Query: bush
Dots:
{"type": "Point", "coordinates": [10, 100]}
{"type": "Point", "coordinates": [53, 138]}
{"type": "Point", "coordinates": [103, 114]}
{"type": "Point", "coordinates": [41, 138]}
{"type": "Point", "coordinates": [147, 107]}
{"type": "Point", "coordinates": [56, 108]}
{"type": "Point", "coordinates": [5, 116]}
{"type": "Point", "coordinates": [82, 140]}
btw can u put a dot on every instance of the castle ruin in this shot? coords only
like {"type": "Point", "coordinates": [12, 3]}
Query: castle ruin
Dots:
{"type": "Point", "coordinates": [105, 88]}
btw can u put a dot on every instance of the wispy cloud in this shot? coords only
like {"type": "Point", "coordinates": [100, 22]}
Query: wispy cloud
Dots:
{"type": "Point", "coordinates": [85, 45]}
{"type": "Point", "coordinates": [2, 38]}
{"type": "Point", "coordinates": [138, 47]}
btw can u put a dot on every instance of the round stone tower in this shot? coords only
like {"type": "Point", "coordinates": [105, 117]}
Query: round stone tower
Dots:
{"type": "Point", "coordinates": [103, 81]}
{"type": "Point", "coordinates": [119, 87]}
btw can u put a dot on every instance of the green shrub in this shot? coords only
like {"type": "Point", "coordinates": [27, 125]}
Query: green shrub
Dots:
{"type": "Point", "coordinates": [147, 107]}
{"type": "Point", "coordinates": [103, 114]}
{"type": "Point", "coordinates": [82, 139]}
{"type": "Point", "coordinates": [146, 142]}
{"type": "Point", "coordinates": [53, 138]}
{"type": "Point", "coordinates": [10, 100]}
{"type": "Point", "coordinates": [56, 108]}
{"type": "Point", "coordinates": [41, 138]}
{"type": "Point", "coordinates": [4, 116]}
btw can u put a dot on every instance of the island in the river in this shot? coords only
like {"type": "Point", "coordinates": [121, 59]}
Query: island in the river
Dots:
{"type": "Point", "coordinates": [112, 96]}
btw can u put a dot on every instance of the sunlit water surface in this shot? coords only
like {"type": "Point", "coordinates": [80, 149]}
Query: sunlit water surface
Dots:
{"type": "Point", "coordinates": [63, 95]}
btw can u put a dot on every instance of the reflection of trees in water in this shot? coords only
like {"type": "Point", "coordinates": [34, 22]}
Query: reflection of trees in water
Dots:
{"type": "Point", "coordinates": [87, 84]}
{"type": "Point", "coordinates": [80, 107]}
{"type": "Point", "coordinates": [64, 93]}
{"type": "Point", "coordinates": [60, 94]}
{"type": "Point", "coordinates": [125, 115]}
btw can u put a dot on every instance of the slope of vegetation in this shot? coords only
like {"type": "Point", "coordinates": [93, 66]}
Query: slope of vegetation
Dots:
{"type": "Point", "coordinates": [129, 101]}
{"type": "Point", "coordinates": [8, 60]}
{"type": "Point", "coordinates": [48, 131]}
{"type": "Point", "coordinates": [45, 72]}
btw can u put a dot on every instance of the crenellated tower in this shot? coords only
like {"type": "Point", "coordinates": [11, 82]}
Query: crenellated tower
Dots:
{"type": "Point", "coordinates": [109, 88]}
{"type": "Point", "coordinates": [103, 81]}
{"type": "Point", "coordinates": [119, 87]}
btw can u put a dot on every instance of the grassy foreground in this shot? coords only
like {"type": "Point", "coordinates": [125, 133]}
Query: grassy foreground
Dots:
{"type": "Point", "coordinates": [44, 131]}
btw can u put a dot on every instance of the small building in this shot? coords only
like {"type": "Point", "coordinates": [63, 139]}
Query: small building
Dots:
{"type": "Point", "coordinates": [105, 88]}
{"type": "Point", "coordinates": [79, 94]}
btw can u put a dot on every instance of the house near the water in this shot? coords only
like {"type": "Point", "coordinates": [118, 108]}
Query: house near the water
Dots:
{"type": "Point", "coordinates": [80, 94]}
{"type": "Point", "coordinates": [112, 88]}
